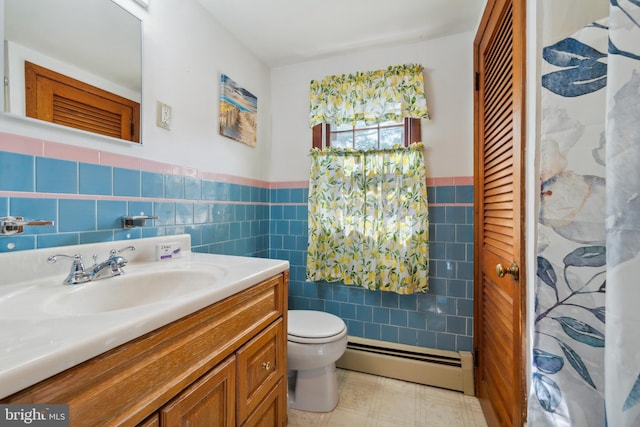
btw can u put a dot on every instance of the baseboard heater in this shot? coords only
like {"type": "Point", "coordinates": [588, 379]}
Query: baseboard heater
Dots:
{"type": "Point", "coordinates": [438, 368]}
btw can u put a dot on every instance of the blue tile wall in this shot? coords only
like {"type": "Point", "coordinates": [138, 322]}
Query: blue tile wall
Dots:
{"type": "Point", "coordinates": [56, 176]}
{"type": "Point", "coordinates": [220, 217]}
{"type": "Point", "coordinates": [16, 172]}
{"type": "Point", "coordinates": [237, 219]}
{"type": "Point", "coordinates": [442, 318]}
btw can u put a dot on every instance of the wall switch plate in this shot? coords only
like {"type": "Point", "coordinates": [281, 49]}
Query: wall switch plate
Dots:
{"type": "Point", "coordinates": [163, 117]}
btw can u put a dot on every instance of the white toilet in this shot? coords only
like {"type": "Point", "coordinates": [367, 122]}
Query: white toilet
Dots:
{"type": "Point", "coordinates": [315, 341]}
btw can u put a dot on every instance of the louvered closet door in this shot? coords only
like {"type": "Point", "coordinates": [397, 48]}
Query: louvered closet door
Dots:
{"type": "Point", "coordinates": [499, 142]}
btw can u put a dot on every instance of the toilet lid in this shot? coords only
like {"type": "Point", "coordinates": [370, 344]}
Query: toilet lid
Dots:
{"type": "Point", "coordinates": [314, 324]}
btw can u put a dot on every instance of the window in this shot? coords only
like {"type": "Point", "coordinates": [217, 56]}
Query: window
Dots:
{"type": "Point", "coordinates": [368, 217]}
{"type": "Point", "coordinates": [365, 137]}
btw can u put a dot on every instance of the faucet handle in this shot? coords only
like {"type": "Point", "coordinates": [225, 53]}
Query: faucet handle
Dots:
{"type": "Point", "coordinates": [77, 273]}
{"type": "Point", "coordinates": [117, 251]}
{"type": "Point", "coordinates": [78, 261]}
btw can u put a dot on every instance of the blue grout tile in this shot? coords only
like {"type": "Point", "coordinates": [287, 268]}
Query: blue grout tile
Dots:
{"type": "Point", "coordinates": [437, 214]}
{"type": "Point", "coordinates": [60, 239]}
{"type": "Point", "coordinates": [455, 214]}
{"type": "Point", "coordinates": [372, 331]}
{"type": "Point", "coordinates": [389, 333]}
{"type": "Point", "coordinates": [76, 215]}
{"type": "Point", "coordinates": [192, 188]}
{"type": "Point", "coordinates": [96, 237]}
{"type": "Point", "coordinates": [110, 213]}
{"type": "Point", "coordinates": [456, 251]}
{"type": "Point", "coordinates": [381, 315]}
{"type": "Point", "coordinates": [44, 209]}
{"type": "Point", "coordinates": [464, 233]}
{"type": "Point", "coordinates": [445, 194]}
{"type": "Point", "coordinates": [446, 341]}
{"type": "Point", "coordinates": [464, 194]}
{"type": "Point", "coordinates": [126, 182]}
{"type": "Point", "coordinates": [201, 213]}
{"type": "Point", "coordinates": [95, 179]}
{"type": "Point", "coordinates": [464, 343]}
{"type": "Point", "coordinates": [398, 317]}
{"type": "Point", "coordinates": [408, 336]}
{"type": "Point", "coordinates": [17, 243]}
{"type": "Point", "coordinates": [355, 328]}
{"type": "Point", "coordinates": [184, 213]}
{"type": "Point", "coordinates": [426, 339]}
{"type": "Point", "coordinates": [166, 213]}
{"type": "Point", "coordinates": [347, 311]}
{"type": "Point", "coordinates": [174, 187]}
{"type": "Point", "coordinates": [152, 185]}
{"type": "Point", "coordinates": [56, 176]}
{"type": "Point", "coordinates": [456, 325]}
{"type": "Point", "coordinates": [16, 172]}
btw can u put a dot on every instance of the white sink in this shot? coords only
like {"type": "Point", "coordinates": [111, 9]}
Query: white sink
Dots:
{"type": "Point", "coordinates": [132, 290]}
{"type": "Point", "coordinates": [47, 326]}
{"type": "Point", "coordinates": [139, 286]}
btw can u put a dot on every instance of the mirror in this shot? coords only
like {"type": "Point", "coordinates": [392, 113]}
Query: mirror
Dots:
{"type": "Point", "coordinates": [93, 42]}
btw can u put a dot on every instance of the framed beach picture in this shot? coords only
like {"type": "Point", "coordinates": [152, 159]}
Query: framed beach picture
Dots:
{"type": "Point", "coordinates": [238, 112]}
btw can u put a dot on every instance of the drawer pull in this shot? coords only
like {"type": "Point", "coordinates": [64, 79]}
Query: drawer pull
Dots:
{"type": "Point", "coordinates": [266, 365]}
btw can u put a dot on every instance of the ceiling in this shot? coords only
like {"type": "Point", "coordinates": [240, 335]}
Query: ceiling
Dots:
{"type": "Point", "coordinates": [282, 32]}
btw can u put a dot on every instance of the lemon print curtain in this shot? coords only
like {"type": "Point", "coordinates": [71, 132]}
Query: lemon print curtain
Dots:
{"type": "Point", "coordinates": [368, 219]}
{"type": "Point", "coordinates": [370, 97]}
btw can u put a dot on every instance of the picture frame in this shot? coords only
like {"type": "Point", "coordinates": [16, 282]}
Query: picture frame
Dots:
{"type": "Point", "coordinates": [238, 112]}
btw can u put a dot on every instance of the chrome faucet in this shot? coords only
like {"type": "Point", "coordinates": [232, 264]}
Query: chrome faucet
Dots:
{"type": "Point", "coordinates": [111, 267]}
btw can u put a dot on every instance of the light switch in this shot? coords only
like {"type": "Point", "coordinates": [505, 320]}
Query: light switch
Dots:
{"type": "Point", "coordinates": [163, 118]}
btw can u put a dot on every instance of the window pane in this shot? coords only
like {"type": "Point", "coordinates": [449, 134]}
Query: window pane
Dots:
{"type": "Point", "coordinates": [366, 139]}
{"type": "Point", "coordinates": [341, 140]}
{"type": "Point", "coordinates": [391, 136]}
{"type": "Point", "coordinates": [366, 136]}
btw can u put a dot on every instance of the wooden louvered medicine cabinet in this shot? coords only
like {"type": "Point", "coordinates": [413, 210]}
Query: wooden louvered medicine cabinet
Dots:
{"type": "Point", "coordinates": [60, 99]}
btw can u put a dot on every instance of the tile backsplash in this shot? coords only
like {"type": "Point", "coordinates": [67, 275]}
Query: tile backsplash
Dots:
{"type": "Point", "coordinates": [86, 201]}
{"type": "Point", "coordinates": [86, 192]}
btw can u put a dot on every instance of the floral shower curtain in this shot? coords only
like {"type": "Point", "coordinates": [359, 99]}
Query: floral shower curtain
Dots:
{"type": "Point", "coordinates": [586, 372]}
{"type": "Point", "coordinates": [622, 349]}
{"type": "Point", "coordinates": [368, 219]}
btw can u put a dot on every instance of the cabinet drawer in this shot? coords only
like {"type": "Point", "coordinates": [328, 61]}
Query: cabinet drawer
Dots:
{"type": "Point", "coordinates": [272, 411]}
{"type": "Point", "coordinates": [206, 403]}
{"type": "Point", "coordinates": [261, 364]}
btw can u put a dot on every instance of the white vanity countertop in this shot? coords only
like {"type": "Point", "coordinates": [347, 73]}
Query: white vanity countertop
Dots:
{"type": "Point", "coordinates": [36, 343]}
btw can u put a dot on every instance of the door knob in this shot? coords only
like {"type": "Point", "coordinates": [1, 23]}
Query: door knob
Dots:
{"type": "Point", "coordinates": [513, 270]}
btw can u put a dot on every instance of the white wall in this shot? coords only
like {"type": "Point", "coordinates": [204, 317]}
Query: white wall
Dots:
{"type": "Point", "coordinates": [184, 52]}
{"type": "Point", "coordinates": [448, 136]}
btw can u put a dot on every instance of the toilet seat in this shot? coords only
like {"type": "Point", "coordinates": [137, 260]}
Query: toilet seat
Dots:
{"type": "Point", "coordinates": [314, 327]}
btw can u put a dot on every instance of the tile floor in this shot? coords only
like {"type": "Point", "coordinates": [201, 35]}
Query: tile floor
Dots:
{"type": "Point", "coordinates": [372, 401]}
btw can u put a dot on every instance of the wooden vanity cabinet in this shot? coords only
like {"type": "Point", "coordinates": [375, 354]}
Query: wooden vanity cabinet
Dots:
{"type": "Point", "coordinates": [207, 402]}
{"type": "Point", "coordinates": [224, 365]}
